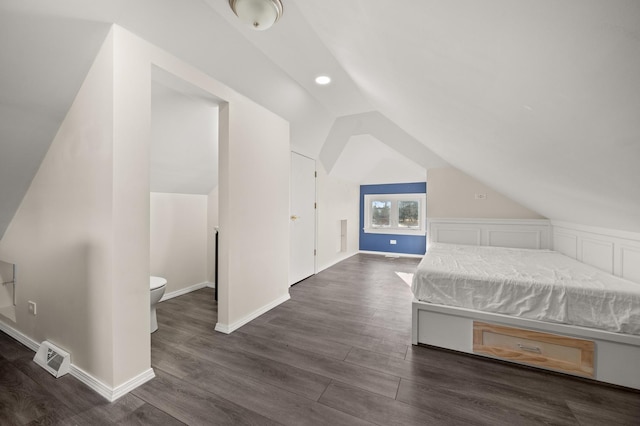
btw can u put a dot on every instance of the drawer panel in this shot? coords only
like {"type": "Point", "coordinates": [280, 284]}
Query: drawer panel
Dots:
{"type": "Point", "coordinates": [553, 351]}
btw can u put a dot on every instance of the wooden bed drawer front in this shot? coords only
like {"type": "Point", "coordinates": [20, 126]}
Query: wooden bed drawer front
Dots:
{"type": "Point", "coordinates": [561, 353]}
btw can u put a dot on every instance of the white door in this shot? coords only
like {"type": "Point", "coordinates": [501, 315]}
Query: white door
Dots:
{"type": "Point", "coordinates": [302, 221]}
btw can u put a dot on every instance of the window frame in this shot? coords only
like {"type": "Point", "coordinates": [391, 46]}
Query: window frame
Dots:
{"type": "Point", "coordinates": [393, 216]}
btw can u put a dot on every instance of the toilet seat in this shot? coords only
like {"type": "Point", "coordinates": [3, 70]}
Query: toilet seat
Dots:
{"type": "Point", "coordinates": [156, 282]}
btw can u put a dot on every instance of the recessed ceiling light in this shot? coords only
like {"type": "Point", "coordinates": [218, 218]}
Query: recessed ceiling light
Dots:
{"type": "Point", "coordinates": [323, 79]}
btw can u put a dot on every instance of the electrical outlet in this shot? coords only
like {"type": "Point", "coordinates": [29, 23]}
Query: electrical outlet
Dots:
{"type": "Point", "coordinates": [392, 241]}
{"type": "Point", "coordinates": [32, 307]}
{"type": "Point", "coordinates": [481, 196]}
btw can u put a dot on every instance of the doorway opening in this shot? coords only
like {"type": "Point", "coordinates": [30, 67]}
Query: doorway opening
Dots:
{"type": "Point", "coordinates": [183, 184]}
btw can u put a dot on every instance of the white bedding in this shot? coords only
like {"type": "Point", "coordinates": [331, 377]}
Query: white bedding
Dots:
{"type": "Point", "coordinates": [536, 284]}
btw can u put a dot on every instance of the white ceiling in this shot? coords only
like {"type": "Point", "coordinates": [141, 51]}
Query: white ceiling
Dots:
{"type": "Point", "coordinates": [539, 99]}
{"type": "Point", "coordinates": [368, 161]}
{"type": "Point", "coordinates": [184, 142]}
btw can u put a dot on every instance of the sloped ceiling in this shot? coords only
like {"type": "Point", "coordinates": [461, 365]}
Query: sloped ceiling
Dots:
{"type": "Point", "coordinates": [43, 62]}
{"type": "Point", "coordinates": [184, 142]}
{"type": "Point", "coordinates": [539, 99]}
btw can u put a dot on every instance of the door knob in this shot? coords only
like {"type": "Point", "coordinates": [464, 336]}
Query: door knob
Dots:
{"type": "Point", "coordinates": [294, 217]}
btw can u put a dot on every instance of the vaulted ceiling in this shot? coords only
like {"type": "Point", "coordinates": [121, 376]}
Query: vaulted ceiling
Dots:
{"type": "Point", "coordinates": [539, 99]}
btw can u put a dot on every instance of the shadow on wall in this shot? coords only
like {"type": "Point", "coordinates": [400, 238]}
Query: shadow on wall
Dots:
{"type": "Point", "coordinates": [7, 290]}
{"type": "Point", "coordinates": [71, 289]}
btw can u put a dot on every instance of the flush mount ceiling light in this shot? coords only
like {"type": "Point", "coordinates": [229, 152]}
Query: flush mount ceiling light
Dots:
{"type": "Point", "coordinates": [323, 79]}
{"type": "Point", "coordinates": [260, 14]}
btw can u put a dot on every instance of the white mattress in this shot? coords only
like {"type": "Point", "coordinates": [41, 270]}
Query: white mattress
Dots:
{"type": "Point", "coordinates": [536, 284]}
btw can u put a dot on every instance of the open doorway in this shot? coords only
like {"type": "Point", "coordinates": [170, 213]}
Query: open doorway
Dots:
{"type": "Point", "coordinates": [183, 184]}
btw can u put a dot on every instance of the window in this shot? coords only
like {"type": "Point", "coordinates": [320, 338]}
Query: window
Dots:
{"type": "Point", "coordinates": [395, 213]}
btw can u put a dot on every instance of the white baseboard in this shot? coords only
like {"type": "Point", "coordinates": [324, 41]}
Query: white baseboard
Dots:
{"type": "Point", "coordinates": [131, 384]}
{"type": "Point", "coordinates": [230, 328]}
{"type": "Point", "coordinates": [22, 338]}
{"type": "Point", "coordinates": [186, 290]}
{"type": "Point", "coordinates": [391, 254]}
{"type": "Point", "coordinates": [107, 392]}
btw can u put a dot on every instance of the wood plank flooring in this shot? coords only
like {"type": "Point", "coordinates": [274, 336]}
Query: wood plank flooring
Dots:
{"type": "Point", "coordinates": [337, 353]}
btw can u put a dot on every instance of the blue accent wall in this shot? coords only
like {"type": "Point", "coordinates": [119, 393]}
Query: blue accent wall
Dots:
{"type": "Point", "coordinates": [409, 244]}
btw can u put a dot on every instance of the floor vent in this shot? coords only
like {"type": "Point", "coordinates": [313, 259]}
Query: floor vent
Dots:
{"type": "Point", "coordinates": [53, 359]}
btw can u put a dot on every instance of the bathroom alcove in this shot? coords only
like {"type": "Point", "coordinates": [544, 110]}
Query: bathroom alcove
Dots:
{"type": "Point", "coordinates": [253, 177]}
{"type": "Point", "coordinates": [183, 183]}
{"type": "Point", "coordinates": [91, 196]}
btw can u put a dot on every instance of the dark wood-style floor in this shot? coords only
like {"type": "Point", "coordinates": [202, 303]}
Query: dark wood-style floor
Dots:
{"type": "Point", "coordinates": [337, 353]}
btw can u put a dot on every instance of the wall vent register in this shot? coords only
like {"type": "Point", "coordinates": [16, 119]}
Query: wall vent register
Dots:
{"type": "Point", "coordinates": [53, 359]}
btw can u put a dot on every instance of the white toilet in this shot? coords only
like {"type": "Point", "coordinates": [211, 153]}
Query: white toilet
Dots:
{"type": "Point", "coordinates": [158, 285]}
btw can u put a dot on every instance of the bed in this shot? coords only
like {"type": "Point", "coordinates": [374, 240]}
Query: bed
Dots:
{"type": "Point", "coordinates": [536, 307]}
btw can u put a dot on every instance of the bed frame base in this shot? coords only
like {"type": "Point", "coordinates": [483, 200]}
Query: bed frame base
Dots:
{"type": "Point", "coordinates": [617, 356]}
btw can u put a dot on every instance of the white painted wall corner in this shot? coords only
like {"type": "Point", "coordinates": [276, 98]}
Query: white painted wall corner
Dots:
{"type": "Point", "coordinates": [107, 392]}
{"type": "Point", "coordinates": [230, 328]}
{"type": "Point", "coordinates": [186, 290]}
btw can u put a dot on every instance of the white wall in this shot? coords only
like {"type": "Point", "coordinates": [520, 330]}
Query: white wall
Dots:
{"type": "Point", "coordinates": [81, 236]}
{"type": "Point", "coordinates": [337, 200]}
{"type": "Point", "coordinates": [451, 193]}
{"type": "Point", "coordinates": [253, 199]}
{"type": "Point", "coordinates": [254, 212]}
{"type": "Point", "coordinates": [184, 142]}
{"type": "Point", "coordinates": [131, 142]}
{"type": "Point", "coordinates": [62, 236]}
{"type": "Point", "coordinates": [179, 239]}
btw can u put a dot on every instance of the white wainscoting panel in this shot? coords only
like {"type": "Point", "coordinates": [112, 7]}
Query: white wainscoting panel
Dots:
{"type": "Point", "coordinates": [566, 244]}
{"type": "Point", "coordinates": [513, 238]}
{"type": "Point", "coordinates": [519, 233]}
{"type": "Point", "coordinates": [457, 236]}
{"type": "Point", "coordinates": [630, 259]}
{"type": "Point", "coordinates": [617, 252]}
{"type": "Point", "coordinates": [598, 253]}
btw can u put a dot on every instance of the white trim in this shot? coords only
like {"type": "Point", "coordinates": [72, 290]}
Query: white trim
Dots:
{"type": "Point", "coordinates": [520, 233]}
{"type": "Point", "coordinates": [19, 336]}
{"type": "Point", "coordinates": [110, 394]}
{"type": "Point", "coordinates": [230, 328]}
{"type": "Point", "coordinates": [186, 290]}
{"type": "Point", "coordinates": [395, 231]}
{"type": "Point", "coordinates": [388, 253]}
{"type": "Point", "coordinates": [420, 197]}
{"type": "Point", "coordinates": [564, 329]}
{"type": "Point", "coordinates": [100, 388]}
{"type": "Point", "coordinates": [131, 384]}
{"type": "Point", "coordinates": [616, 252]}
{"type": "Point", "coordinates": [452, 328]}
{"type": "Point", "coordinates": [627, 235]}
{"type": "Point", "coordinates": [489, 221]}
{"type": "Point", "coordinates": [315, 212]}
